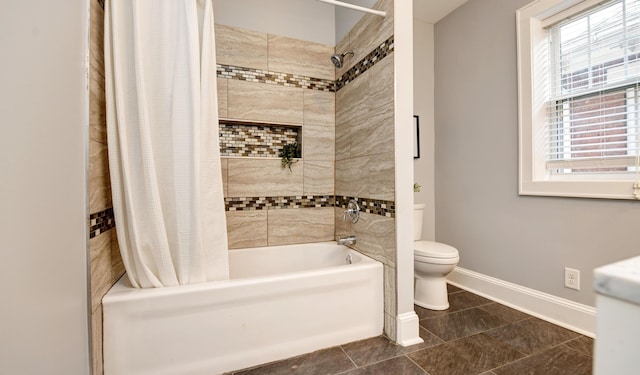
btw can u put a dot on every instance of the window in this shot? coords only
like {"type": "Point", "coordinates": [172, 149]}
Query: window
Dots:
{"type": "Point", "coordinates": [579, 88]}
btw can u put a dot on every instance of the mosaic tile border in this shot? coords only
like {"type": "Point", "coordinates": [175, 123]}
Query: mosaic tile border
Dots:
{"type": "Point", "coordinates": [274, 78]}
{"type": "Point", "coordinates": [101, 222]}
{"type": "Point", "coordinates": [239, 138]}
{"type": "Point", "coordinates": [311, 83]}
{"type": "Point", "coordinates": [371, 206]}
{"type": "Point", "coordinates": [275, 203]}
{"type": "Point", "coordinates": [375, 56]}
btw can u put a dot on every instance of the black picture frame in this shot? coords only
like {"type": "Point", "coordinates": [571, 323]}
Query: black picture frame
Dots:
{"type": "Point", "coordinates": [416, 137]}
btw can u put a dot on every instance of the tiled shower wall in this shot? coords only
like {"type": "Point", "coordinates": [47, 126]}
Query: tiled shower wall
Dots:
{"type": "Point", "coordinates": [105, 261]}
{"type": "Point", "coordinates": [273, 82]}
{"type": "Point", "coordinates": [365, 144]}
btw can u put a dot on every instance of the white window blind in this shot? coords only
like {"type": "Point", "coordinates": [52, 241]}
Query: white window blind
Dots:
{"type": "Point", "coordinates": [593, 80]}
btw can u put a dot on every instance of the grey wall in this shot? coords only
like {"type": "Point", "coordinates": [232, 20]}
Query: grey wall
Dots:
{"type": "Point", "coordinates": [43, 199]}
{"type": "Point", "coordinates": [523, 240]}
{"type": "Point", "coordinates": [300, 19]}
{"type": "Point", "coordinates": [346, 18]}
{"type": "Point", "coordinates": [423, 89]}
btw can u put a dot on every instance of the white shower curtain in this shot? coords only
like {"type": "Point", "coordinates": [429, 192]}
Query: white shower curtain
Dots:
{"type": "Point", "coordinates": [162, 129]}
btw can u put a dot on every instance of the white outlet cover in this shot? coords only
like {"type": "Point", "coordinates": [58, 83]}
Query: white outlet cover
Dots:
{"type": "Point", "coordinates": [572, 278]}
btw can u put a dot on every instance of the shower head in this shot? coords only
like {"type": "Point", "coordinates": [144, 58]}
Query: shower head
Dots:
{"type": "Point", "coordinates": [338, 58]}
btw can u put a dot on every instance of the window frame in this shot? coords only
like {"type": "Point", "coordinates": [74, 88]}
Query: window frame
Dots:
{"type": "Point", "coordinates": [534, 179]}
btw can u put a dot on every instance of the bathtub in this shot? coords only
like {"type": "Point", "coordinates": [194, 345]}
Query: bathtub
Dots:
{"type": "Point", "coordinates": [279, 302]}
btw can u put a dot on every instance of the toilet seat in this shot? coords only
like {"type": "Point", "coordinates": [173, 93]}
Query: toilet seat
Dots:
{"type": "Point", "coordinates": [431, 249]}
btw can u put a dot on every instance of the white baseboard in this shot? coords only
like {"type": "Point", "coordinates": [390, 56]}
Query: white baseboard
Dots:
{"type": "Point", "coordinates": [408, 329]}
{"type": "Point", "coordinates": [565, 313]}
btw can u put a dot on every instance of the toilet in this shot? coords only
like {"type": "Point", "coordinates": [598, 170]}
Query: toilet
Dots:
{"type": "Point", "coordinates": [432, 262]}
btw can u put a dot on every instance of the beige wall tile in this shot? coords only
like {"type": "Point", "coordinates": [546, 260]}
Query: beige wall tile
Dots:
{"type": "Point", "coordinates": [380, 78]}
{"type": "Point", "coordinates": [352, 177]}
{"type": "Point", "coordinates": [301, 225]}
{"type": "Point", "coordinates": [97, 106]}
{"type": "Point", "coordinates": [249, 177]}
{"type": "Point", "coordinates": [366, 35]}
{"type": "Point", "coordinates": [371, 30]}
{"type": "Point", "coordinates": [100, 267]}
{"type": "Point", "coordinates": [264, 102]}
{"type": "Point", "coordinates": [96, 36]}
{"type": "Point", "coordinates": [99, 182]}
{"type": "Point", "coordinates": [319, 108]}
{"type": "Point", "coordinates": [318, 177]}
{"type": "Point", "coordinates": [295, 56]}
{"type": "Point", "coordinates": [343, 227]}
{"type": "Point", "coordinates": [352, 110]}
{"type": "Point", "coordinates": [390, 305]}
{"type": "Point", "coordinates": [374, 135]}
{"type": "Point", "coordinates": [343, 141]}
{"type": "Point", "coordinates": [390, 326]}
{"type": "Point", "coordinates": [224, 164]}
{"type": "Point", "coordinates": [239, 47]}
{"type": "Point", "coordinates": [223, 101]}
{"type": "Point", "coordinates": [376, 237]}
{"type": "Point", "coordinates": [117, 267]}
{"type": "Point", "coordinates": [96, 340]}
{"type": "Point", "coordinates": [343, 46]}
{"type": "Point", "coordinates": [105, 265]}
{"type": "Point", "coordinates": [247, 228]}
{"type": "Point", "coordinates": [352, 101]}
{"type": "Point", "coordinates": [318, 142]}
{"type": "Point", "coordinates": [97, 110]}
{"type": "Point", "coordinates": [382, 176]}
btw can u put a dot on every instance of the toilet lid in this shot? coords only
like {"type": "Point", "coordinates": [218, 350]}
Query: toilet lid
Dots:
{"type": "Point", "coordinates": [434, 249]}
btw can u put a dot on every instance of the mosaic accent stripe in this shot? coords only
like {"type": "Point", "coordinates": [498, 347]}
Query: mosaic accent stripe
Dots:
{"type": "Point", "coordinates": [256, 139]}
{"type": "Point", "coordinates": [101, 222]}
{"type": "Point", "coordinates": [382, 51]}
{"type": "Point", "coordinates": [371, 206]}
{"type": "Point", "coordinates": [275, 203]}
{"type": "Point", "coordinates": [274, 78]}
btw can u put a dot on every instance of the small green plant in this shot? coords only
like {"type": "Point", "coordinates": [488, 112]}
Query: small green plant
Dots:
{"type": "Point", "coordinates": [289, 152]}
{"type": "Point", "coordinates": [416, 187]}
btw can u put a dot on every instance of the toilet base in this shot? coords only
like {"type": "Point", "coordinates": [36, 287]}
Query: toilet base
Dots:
{"type": "Point", "coordinates": [431, 293]}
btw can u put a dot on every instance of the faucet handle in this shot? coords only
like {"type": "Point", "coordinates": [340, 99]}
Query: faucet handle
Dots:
{"type": "Point", "coordinates": [352, 211]}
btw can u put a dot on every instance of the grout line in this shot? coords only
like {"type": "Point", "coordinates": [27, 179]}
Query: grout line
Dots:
{"type": "Point", "coordinates": [414, 362]}
{"type": "Point", "coordinates": [348, 356]}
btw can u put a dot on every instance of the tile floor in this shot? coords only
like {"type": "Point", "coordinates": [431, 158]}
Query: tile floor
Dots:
{"type": "Point", "coordinates": [475, 336]}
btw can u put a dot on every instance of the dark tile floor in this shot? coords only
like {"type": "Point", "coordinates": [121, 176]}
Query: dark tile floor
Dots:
{"type": "Point", "coordinates": [474, 336]}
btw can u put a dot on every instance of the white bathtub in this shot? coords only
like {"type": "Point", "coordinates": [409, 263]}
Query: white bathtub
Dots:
{"type": "Point", "coordinates": [280, 302]}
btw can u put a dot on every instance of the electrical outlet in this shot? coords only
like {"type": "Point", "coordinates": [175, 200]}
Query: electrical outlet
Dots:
{"type": "Point", "coordinates": [572, 278]}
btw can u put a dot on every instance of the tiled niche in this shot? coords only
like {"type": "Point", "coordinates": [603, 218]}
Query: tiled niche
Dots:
{"type": "Point", "coordinates": [247, 139]}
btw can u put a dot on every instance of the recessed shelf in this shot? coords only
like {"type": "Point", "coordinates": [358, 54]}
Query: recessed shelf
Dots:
{"type": "Point", "coordinates": [256, 139]}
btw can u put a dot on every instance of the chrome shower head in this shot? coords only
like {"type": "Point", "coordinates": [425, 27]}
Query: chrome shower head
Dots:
{"type": "Point", "coordinates": [338, 58]}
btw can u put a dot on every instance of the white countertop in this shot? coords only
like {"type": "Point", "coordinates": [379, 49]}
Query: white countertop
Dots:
{"type": "Point", "coordinates": [619, 280]}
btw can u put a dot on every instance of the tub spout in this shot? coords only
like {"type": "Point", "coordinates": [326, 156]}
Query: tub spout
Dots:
{"type": "Point", "coordinates": [349, 240]}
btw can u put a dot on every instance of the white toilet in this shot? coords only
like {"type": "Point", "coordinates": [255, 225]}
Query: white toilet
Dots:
{"type": "Point", "coordinates": [433, 261]}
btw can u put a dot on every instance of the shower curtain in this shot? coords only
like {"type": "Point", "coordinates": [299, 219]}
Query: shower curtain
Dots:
{"type": "Point", "coordinates": [162, 128]}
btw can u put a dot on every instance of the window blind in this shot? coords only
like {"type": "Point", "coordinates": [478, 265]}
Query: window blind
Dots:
{"type": "Point", "coordinates": [593, 80]}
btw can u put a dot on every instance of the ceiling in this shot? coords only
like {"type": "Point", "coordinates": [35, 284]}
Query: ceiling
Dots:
{"type": "Point", "coordinates": [431, 11]}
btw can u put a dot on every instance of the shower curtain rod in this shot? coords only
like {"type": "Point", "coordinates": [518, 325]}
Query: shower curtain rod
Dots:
{"type": "Point", "coordinates": [355, 7]}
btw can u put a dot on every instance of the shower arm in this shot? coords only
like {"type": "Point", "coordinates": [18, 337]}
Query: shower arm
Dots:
{"type": "Point", "coordinates": [355, 7]}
